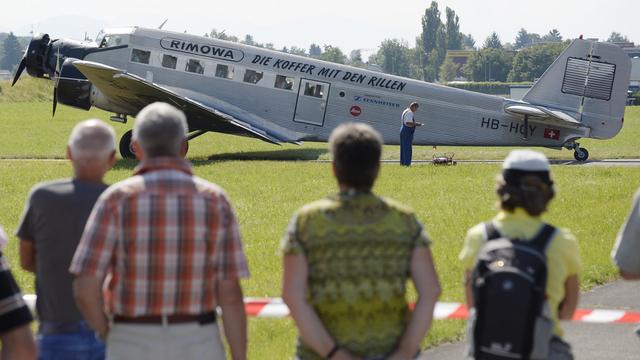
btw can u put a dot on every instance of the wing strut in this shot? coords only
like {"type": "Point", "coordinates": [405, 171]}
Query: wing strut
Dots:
{"type": "Point", "coordinates": [526, 127]}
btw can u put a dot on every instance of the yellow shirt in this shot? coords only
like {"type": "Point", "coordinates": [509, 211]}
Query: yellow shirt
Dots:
{"type": "Point", "coordinates": [563, 259]}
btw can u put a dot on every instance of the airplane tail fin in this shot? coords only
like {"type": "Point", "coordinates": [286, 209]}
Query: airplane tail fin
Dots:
{"type": "Point", "coordinates": [589, 81]}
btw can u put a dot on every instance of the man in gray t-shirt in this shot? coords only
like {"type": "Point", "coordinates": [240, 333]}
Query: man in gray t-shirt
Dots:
{"type": "Point", "coordinates": [626, 252]}
{"type": "Point", "coordinates": [52, 224]}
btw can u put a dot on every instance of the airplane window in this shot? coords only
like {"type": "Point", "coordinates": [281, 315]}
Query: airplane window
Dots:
{"type": "Point", "coordinates": [313, 90]}
{"type": "Point", "coordinates": [194, 66]}
{"type": "Point", "coordinates": [283, 82]}
{"type": "Point", "coordinates": [169, 61]}
{"type": "Point", "coordinates": [223, 71]}
{"type": "Point", "coordinates": [140, 56]}
{"type": "Point", "coordinates": [252, 76]}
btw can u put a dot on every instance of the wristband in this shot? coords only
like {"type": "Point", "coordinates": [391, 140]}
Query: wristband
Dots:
{"type": "Point", "coordinates": [333, 351]}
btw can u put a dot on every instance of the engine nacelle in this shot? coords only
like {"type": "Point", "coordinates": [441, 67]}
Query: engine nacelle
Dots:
{"type": "Point", "coordinates": [73, 88]}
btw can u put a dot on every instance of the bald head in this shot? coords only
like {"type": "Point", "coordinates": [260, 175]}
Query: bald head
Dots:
{"type": "Point", "coordinates": [92, 140]}
{"type": "Point", "coordinates": [160, 129]}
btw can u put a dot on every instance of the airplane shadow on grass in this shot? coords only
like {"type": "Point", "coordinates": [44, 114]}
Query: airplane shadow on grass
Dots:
{"type": "Point", "coordinates": [272, 155]}
{"type": "Point", "coordinates": [275, 155]}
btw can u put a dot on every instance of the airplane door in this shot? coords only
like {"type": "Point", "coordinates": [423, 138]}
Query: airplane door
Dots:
{"type": "Point", "coordinates": [312, 102]}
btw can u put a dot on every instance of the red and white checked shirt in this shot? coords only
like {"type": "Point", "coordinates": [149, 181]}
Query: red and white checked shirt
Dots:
{"type": "Point", "coordinates": [165, 237]}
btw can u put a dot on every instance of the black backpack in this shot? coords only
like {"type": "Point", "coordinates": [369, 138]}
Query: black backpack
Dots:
{"type": "Point", "coordinates": [508, 285]}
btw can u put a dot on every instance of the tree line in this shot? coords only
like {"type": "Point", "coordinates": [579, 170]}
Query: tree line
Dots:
{"type": "Point", "coordinates": [523, 60]}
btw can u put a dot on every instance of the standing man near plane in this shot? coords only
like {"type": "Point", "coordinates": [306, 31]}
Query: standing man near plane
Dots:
{"type": "Point", "coordinates": [409, 124]}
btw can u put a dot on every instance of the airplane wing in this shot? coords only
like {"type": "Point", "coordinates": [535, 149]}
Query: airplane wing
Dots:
{"type": "Point", "coordinates": [132, 92]}
{"type": "Point", "coordinates": [542, 114]}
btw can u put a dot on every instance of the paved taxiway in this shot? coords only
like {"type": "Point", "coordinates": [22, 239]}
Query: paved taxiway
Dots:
{"type": "Point", "coordinates": [590, 341]}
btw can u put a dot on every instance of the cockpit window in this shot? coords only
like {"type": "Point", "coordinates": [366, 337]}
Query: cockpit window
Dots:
{"type": "Point", "coordinates": [114, 37]}
{"type": "Point", "coordinates": [113, 40]}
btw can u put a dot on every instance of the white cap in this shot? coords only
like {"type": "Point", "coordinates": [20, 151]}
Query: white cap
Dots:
{"type": "Point", "coordinates": [526, 160]}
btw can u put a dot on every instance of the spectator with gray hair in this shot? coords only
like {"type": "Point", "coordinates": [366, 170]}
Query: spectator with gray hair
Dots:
{"type": "Point", "coordinates": [168, 242]}
{"type": "Point", "coordinates": [49, 232]}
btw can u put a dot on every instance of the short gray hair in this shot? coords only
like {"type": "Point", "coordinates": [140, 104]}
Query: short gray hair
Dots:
{"type": "Point", "coordinates": [160, 130]}
{"type": "Point", "coordinates": [92, 140]}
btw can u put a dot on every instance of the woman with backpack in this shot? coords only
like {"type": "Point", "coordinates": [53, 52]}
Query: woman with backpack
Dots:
{"type": "Point", "coordinates": [521, 274]}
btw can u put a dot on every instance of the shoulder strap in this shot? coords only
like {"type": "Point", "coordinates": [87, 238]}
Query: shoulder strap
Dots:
{"type": "Point", "coordinates": [542, 240]}
{"type": "Point", "coordinates": [491, 233]}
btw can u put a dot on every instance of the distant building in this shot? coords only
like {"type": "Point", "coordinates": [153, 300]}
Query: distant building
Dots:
{"type": "Point", "coordinates": [460, 58]}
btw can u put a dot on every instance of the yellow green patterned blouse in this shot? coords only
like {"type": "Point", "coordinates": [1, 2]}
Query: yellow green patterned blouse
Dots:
{"type": "Point", "coordinates": [358, 248]}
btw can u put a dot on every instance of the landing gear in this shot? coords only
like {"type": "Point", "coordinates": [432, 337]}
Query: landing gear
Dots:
{"type": "Point", "coordinates": [126, 150]}
{"type": "Point", "coordinates": [579, 153]}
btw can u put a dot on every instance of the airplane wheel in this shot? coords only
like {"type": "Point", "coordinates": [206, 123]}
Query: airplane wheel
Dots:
{"type": "Point", "coordinates": [581, 154]}
{"type": "Point", "coordinates": [126, 150]}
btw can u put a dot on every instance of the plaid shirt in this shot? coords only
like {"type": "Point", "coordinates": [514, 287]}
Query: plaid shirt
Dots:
{"type": "Point", "coordinates": [165, 237]}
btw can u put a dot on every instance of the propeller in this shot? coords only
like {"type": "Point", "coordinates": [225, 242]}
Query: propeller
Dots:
{"type": "Point", "coordinates": [21, 67]}
{"type": "Point", "coordinates": [55, 86]}
{"type": "Point", "coordinates": [34, 59]}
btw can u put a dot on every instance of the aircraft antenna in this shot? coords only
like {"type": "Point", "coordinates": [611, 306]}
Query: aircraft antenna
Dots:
{"type": "Point", "coordinates": [164, 22]}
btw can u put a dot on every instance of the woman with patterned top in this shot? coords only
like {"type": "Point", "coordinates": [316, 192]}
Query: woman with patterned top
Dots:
{"type": "Point", "coordinates": [347, 259]}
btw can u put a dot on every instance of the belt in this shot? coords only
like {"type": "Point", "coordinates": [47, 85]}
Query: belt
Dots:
{"type": "Point", "coordinates": [202, 319]}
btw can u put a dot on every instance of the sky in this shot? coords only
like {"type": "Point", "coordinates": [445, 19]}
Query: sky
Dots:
{"type": "Point", "coordinates": [348, 24]}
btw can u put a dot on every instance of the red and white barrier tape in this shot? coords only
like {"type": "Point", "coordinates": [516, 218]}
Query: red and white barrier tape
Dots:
{"type": "Point", "coordinates": [276, 308]}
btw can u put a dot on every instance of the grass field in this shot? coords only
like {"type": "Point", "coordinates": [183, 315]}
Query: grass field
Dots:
{"type": "Point", "coordinates": [592, 201]}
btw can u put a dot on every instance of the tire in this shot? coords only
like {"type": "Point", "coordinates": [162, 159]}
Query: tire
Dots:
{"type": "Point", "coordinates": [581, 154]}
{"type": "Point", "coordinates": [126, 151]}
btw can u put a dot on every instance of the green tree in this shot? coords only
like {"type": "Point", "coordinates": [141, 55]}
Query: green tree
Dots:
{"type": "Point", "coordinates": [448, 70]}
{"type": "Point", "coordinates": [552, 36]}
{"type": "Point", "coordinates": [222, 36]}
{"type": "Point", "coordinates": [355, 58]}
{"type": "Point", "coordinates": [393, 57]}
{"type": "Point", "coordinates": [333, 54]}
{"type": "Point", "coordinates": [315, 50]}
{"type": "Point", "coordinates": [468, 41]}
{"type": "Point", "coordinates": [454, 37]}
{"type": "Point", "coordinates": [431, 26]}
{"type": "Point", "coordinates": [617, 37]}
{"type": "Point", "coordinates": [492, 42]}
{"type": "Point", "coordinates": [522, 39]}
{"type": "Point", "coordinates": [297, 51]}
{"type": "Point", "coordinates": [248, 40]}
{"type": "Point", "coordinates": [12, 52]}
{"type": "Point", "coordinates": [531, 62]}
{"type": "Point", "coordinates": [488, 64]}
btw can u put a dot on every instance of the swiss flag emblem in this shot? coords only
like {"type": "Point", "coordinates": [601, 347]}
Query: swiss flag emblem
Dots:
{"type": "Point", "coordinates": [550, 133]}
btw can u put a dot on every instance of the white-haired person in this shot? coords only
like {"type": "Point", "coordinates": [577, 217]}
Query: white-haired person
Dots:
{"type": "Point", "coordinates": [524, 189]}
{"type": "Point", "coordinates": [50, 229]}
{"type": "Point", "coordinates": [168, 242]}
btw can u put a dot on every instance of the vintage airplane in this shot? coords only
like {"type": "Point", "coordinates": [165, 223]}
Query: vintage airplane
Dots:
{"type": "Point", "coordinates": [278, 97]}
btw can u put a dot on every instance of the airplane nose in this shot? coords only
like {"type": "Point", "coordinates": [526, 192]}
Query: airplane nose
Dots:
{"type": "Point", "coordinates": [35, 58]}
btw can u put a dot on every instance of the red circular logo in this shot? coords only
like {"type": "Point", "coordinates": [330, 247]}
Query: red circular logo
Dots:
{"type": "Point", "coordinates": [355, 110]}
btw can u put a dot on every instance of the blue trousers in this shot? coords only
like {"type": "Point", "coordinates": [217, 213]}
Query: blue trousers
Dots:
{"type": "Point", "coordinates": [82, 345]}
{"type": "Point", "coordinates": [406, 141]}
